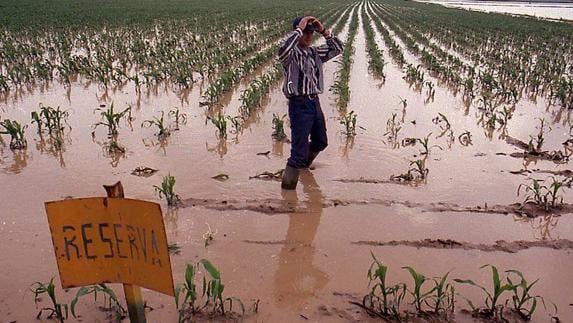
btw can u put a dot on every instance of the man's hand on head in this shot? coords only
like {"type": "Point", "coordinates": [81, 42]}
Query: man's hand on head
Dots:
{"type": "Point", "coordinates": [319, 26]}
{"type": "Point", "coordinates": [305, 21]}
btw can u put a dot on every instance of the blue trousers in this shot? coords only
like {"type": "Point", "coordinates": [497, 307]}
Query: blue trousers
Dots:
{"type": "Point", "coordinates": [306, 122]}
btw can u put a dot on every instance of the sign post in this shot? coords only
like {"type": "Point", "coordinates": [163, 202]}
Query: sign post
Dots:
{"type": "Point", "coordinates": [112, 240]}
{"type": "Point", "coordinates": [133, 298]}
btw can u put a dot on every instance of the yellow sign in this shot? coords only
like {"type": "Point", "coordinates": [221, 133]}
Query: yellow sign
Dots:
{"type": "Point", "coordinates": [110, 240]}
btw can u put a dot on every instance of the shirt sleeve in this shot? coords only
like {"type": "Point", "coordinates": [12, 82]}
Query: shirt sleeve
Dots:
{"type": "Point", "coordinates": [285, 51]}
{"type": "Point", "coordinates": [331, 49]}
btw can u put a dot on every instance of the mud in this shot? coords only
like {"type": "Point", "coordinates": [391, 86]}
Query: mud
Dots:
{"type": "Point", "coordinates": [281, 206]}
{"type": "Point", "coordinates": [500, 245]}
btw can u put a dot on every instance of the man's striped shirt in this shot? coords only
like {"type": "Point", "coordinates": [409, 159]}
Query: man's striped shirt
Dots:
{"type": "Point", "coordinates": [303, 66]}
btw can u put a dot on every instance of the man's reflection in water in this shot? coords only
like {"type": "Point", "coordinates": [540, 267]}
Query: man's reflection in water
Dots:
{"type": "Point", "coordinates": [296, 278]}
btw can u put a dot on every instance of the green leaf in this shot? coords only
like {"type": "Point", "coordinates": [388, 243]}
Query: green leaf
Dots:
{"type": "Point", "coordinates": [81, 292]}
{"type": "Point", "coordinates": [210, 269]}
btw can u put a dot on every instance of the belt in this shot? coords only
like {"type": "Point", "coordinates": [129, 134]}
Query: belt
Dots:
{"type": "Point", "coordinates": [308, 96]}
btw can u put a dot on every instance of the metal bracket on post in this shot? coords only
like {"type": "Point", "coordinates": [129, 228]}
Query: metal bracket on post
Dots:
{"type": "Point", "coordinates": [133, 297]}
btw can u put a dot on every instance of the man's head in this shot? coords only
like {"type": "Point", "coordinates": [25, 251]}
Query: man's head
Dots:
{"type": "Point", "coordinates": [307, 33]}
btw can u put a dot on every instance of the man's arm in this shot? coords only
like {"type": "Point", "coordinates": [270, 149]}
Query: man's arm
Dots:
{"type": "Point", "coordinates": [285, 51]}
{"type": "Point", "coordinates": [331, 49]}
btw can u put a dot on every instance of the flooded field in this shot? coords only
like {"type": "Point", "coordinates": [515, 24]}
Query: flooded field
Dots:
{"type": "Point", "coordinates": [551, 10]}
{"type": "Point", "coordinates": [459, 158]}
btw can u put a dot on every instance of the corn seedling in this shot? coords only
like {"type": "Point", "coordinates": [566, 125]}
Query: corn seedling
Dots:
{"type": "Point", "coordinates": [393, 127]}
{"type": "Point", "coordinates": [111, 119]}
{"type": "Point", "coordinates": [159, 123]}
{"type": "Point", "coordinates": [492, 307]}
{"type": "Point", "coordinates": [430, 91]}
{"type": "Point", "coordinates": [506, 115]}
{"type": "Point", "coordinates": [465, 138]}
{"type": "Point", "coordinates": [442, 121]}
{"type": "Point", "coordinates": [111, 301]}
{"type": "Point", "coordinates": [535, 143]}
{"type": "Point", "coordinates": [420, 169]}
{"type": "Point", "coordinates": [189, 291]}
{"type": "Point", "coordinates": [404, 102]}
{"type": "Point", "coordinates": [417, 293]}
{"type": "Point", "coordinates": [443, 298]}
{"type": "Point", "coordinates": [167, 190]}
{"type": "Point", "coordinates": [376, 59]}
{"type": "Point", "coordinates": [543, 196]}
{"type": "Point", "coordinates": [237, 124]}
{"type": "Point", "coordinates": [278, 127]}
{"type": "Point", "coordinates": [383, 300]}
{"type": "Point", "coordinates": [414, 74]}
{"type": "Point", "coordinates": [16, 132]}
{"type": "Point", "coordinates": [57, 311]}
{"type": "Point", "coordinates": [52, 119]}
{"type": "Point", "coordinates": [425, 142]}
{"type": "Point", "coordinates": [180, 118]}
{"type": "Point", "coordinates": [349, 123]}
{"type": "Point", "coordinates": [213, 289]}
{"type": "Point", "coordinates": [524, 303]}
{"type": "Point", "coordinates": [187, 296]}
{"type": "Point", "coordinates": [220, 122]}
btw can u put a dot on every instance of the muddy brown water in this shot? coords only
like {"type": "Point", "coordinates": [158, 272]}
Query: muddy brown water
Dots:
{"type": "Point", "coordinates": [304, 265]}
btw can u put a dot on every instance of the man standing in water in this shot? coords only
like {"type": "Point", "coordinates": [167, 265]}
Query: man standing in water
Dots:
{"type": "Point", "coordinates": [302, 67]}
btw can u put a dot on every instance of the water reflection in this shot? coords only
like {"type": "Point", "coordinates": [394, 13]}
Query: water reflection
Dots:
{"type": "Point", "coordinates": [542, 226]}
{"type": "Point", "coordinates": [297, 278]}
{"type": "Point", "coordinates": [220, 148]}
{"type": "Point", "coordinates": [54, 146]}
{"type": "Point", "coordinates": [347, 147]}
{"type": "Point", "coordinates": [171, 217]}
{"type": "Point", "coordinates": [278, 148]}
{"type": "Point", "coordinates": [19, 161]}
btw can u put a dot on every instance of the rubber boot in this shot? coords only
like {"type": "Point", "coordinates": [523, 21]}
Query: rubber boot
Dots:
{"type": "Point", "coordinates": [311, 156]}
{"type": "Point", "coordinates": [290, 178]}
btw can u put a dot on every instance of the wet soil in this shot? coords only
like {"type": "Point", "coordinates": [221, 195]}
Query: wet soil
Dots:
{"type": "Point", "coordinates": [500, 245]}
{"type": "Point", "coordinates": [307, 251]}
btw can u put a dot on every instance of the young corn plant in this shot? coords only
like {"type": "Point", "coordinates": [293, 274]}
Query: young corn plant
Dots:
{"type": "Point", "coordinates": [220, 122]}
{"type": "Point", "coordinates": [162, 130]}
{"type": "Point", "coordinates": [16, 132]}
{"type": "Point", "coordinates": [524, 303]}
{"type": "Point", "coordinates": [349, 123]}
{"type": "Point", "coordinates": [442, 121]}
{"type": "Point", "coordinates": [465, 138]}
{"type": "Point", "coordinates": [278, 127]}
{"type": "Point", "coordinates": [180, 118]}
{"type": "Point", "coordinates": [393, 127]}
{"type": "Point", "coordinates": [383, 300]}
{"type": "Point", "coordinates": [111, 119]}
{"type": "Point", "coordinates": [420, 297]}
{"type": "Point", "coordinates": [420, 171]}
{"type": "Point", "coordinates": [493, 308]}
{"type": "Point", "coordinates": [535, 143]}
{"type": "Point", "coordinates": [425, 142]}
{"type": "Point", "coordinates": [52, 119]}
{"type": "Point", "coordinates": [236, 124]}
{"type": "Point", "coordinates": [188, 307]}
{"type": "Point", "coordinates": [167, 190]}
{"type": "Point", "coordinates": [57, 311]}
{"type": "Point", "coordinates": [442, 301]}
{"type": "Point", "coordinates": [111, 302]}
{"type": "Point", "coordinates": [546, 197]}
{"type": "Point", "coordinates": [213, 290]}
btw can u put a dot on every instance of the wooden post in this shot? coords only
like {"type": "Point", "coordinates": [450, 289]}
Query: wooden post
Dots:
{"type": "Point", "coordinates": [132, 293]}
